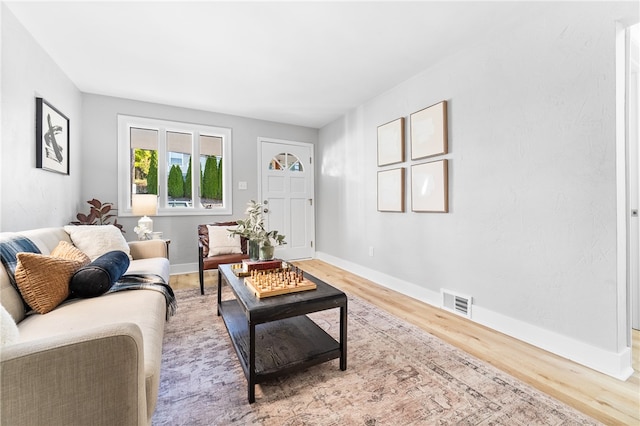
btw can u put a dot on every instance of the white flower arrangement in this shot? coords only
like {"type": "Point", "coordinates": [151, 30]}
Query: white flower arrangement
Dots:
{"type": "Point", "coordinates": [143, 232]}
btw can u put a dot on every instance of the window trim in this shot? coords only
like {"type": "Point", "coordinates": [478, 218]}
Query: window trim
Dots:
{"type": "Point", "coordinates": [126, 122]}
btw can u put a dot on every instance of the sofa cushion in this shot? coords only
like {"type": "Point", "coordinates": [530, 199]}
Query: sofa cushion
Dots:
{"type": "Point", "coordinates": [10, 297]}
{"type": "Point", "coordinates": [44, 280]}
{"type": "Point", "coordinates": [8, 328]}
{"type": "Point", "coordinates": [155, 265]}
{"type": "Point", "coordinates": [221, 242]}
{"type": "Point", "coordinates": [97, 277]}
{"type": "Point", "coordinates": [96, 240]}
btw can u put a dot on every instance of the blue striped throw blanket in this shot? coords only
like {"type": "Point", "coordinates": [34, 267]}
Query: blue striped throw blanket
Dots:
{"type": "Point", "coordinates": [10, 246]}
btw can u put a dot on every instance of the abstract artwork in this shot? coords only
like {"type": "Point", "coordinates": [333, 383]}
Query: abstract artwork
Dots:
{"type": "Point", "coordinates": [52, 138]}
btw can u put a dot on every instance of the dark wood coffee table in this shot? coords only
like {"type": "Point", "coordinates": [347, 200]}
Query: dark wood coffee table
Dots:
{"type": "Point", "coordinates": [288, 340]}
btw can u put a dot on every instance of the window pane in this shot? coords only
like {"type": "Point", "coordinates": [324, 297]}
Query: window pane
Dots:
{"type": "Point", "coordinates": [144, 161]}
{"type": "Point", "coordinates": [211, 171]}
{"type": "Point", "coordinates": [148, 150]}
{"type": "Point", "coordinates": [179, 190]}
{"type": "Point", "coordinates": [285, 161]}
{"type": "Point", "coordinates": [293, 164]}
{"type": "Point", "coordinates": [277, 162]}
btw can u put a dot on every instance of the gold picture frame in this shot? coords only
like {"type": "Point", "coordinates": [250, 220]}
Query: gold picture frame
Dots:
{"type": "Point", "coordinates": [429, 131]}
{"type": "Point", "coordinates": [391, 190]}
{"type": "Point", "coordinates": [430, 187]}
{"type": "Point", "coordinates": [391, 142]}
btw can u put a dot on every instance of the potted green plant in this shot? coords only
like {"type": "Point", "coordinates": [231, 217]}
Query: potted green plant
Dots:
{"type": "Point", "coordinates": [261, 242]}
{"type": "Point", "coordinates": [267, 242]}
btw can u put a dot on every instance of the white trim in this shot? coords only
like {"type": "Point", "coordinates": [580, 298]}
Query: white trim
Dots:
{"type": "Point", "coordinates": [311, 174]}
{"type": "Point", "coordinates": [183, 268]}
{"type": "Point", "coordinates": [623, 319]}
{"type": "Point", "coordinates": [126, 122]}
{"type": "Point", "coordinates": [412, 290]}
{"type": "Point", "coordinates": [615, 364]}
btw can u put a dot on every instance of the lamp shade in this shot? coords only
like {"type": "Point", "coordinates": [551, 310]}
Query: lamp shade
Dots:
{"type": "Point", "coordinates": [144, 204]}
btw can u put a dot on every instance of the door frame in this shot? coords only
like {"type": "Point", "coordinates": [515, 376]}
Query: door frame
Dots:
{"type": "Point", "coordinates": [311, 147]}
{"type": "Point", "coordinates": [625, 262]}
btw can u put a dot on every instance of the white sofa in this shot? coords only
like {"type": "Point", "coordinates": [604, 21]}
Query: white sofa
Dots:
{"type": "Point", "coordinates": [93, 361]}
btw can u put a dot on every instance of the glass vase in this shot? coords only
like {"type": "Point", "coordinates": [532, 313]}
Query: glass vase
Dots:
{"type": "Point", "coordinates": [253, 250]}
{"type": "Point", "coordinates": [266, 252]}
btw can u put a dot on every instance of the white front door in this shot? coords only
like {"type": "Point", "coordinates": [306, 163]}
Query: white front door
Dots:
{"type": "Point", "coordinates": [286, 190]}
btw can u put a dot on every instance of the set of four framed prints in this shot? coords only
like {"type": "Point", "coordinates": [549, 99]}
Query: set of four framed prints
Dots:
{"type": "Point", "coordinates": [429, 180]}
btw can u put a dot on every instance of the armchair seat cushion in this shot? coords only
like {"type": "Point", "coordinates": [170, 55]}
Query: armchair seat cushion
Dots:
{"type": "Point", "coordinates": [214, 261]}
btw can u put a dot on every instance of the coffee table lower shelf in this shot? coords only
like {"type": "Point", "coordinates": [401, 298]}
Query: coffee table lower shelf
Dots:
{"type": "Point", "coordinates": [284, 346]}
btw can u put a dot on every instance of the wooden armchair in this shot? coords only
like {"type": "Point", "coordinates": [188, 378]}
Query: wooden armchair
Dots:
{"type": "Point", "coordinates": [205, 261]}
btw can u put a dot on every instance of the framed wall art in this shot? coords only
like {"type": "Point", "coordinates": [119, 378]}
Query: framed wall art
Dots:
{"type": "Point", "coordinates": [430, 187]}
{"type": "Point", "coordinates": [391, 142]}
{"type": "Point", "coordinates": [429, 131]}
{"type": "Point", "coordinates": [391, 190]}
{"type": "Point", "coordinates": [52, 138]}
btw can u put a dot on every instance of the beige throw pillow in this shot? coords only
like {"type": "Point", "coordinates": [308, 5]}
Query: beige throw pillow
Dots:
{"type": "Point", "coordinates": [43, 280]}
{"type": "Point", "coordinates": [96, 240]}
{"type": "Point", "coordinates": [221, 242]}
{"type": "Point", "coordinates": [68, 251]}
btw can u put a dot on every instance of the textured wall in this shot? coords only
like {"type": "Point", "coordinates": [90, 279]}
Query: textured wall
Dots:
{"type": "Point", "coordinates": [531, 232]}
{"type": "Point", "coordinates": [100, 164]}
{"type": "Point", "coordinates": [30, 197]}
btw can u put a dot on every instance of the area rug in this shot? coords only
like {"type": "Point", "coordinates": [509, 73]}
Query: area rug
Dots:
{"type": "Point", "coordinates": [397, 375]}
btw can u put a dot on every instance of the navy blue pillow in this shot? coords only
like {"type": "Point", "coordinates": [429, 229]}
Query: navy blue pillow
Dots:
{"type": "Point", "coordinates": [97, 277]}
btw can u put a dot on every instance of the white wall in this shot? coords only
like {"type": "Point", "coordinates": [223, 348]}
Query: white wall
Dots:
{"type": "Point", "coordinates": [531, 232]}
{"type": "Point", "coordinates": [30, 197]}
{"type": "Point", "coordinates": [100, 162]}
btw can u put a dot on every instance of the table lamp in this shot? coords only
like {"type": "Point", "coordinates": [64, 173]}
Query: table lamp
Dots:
{"type": "Point", "coordinates": [144, 205]}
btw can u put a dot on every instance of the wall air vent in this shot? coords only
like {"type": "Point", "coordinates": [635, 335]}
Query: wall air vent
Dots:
{"type": "Point", "coordinates": [456, 303]}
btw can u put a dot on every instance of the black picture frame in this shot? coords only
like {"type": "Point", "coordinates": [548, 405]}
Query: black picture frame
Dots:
{"type": "Point", "coordinates": [52, 138]}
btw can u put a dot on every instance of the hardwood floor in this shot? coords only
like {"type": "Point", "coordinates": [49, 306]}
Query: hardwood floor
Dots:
{"type": "Point", "coordinates": [604, 398]}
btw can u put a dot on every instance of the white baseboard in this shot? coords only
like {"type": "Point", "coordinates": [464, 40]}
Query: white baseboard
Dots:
{"type": "Point", "coordinates": [183, 268]}
{"type": "Point", "coordinates": [614, 364]}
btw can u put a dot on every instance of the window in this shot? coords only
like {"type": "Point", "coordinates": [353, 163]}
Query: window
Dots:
{"type": "Point", "coordinates": [159, 157]}
{"type": "Point", "coordinates": [284, 161]}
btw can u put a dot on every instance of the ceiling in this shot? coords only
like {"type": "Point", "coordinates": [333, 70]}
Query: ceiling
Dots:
{"type": "Point", "coordinates": [303, 63]}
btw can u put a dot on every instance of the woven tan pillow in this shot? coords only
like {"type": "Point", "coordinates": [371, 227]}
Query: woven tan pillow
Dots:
{"type": "Point", "coordinates": [44, 280]}
{"type": "Point", "coordinates": [68, 251]}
